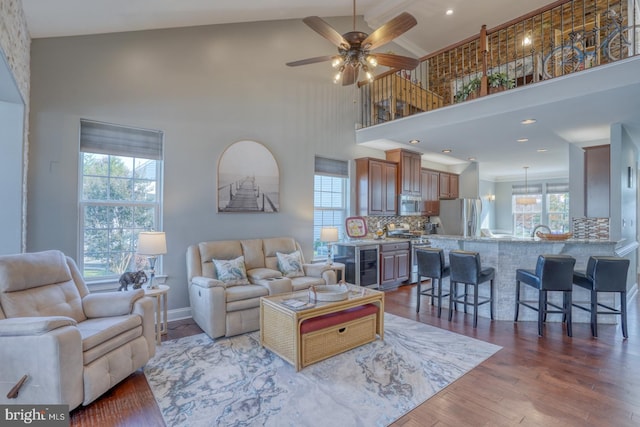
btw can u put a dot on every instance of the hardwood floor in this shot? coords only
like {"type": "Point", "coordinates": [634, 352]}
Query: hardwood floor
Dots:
{"type": "Point", "coordinates": [532, 381]}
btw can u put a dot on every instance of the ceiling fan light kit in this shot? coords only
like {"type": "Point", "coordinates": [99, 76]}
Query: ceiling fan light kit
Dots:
{"type": "Point", "coordinates": [354, 48]}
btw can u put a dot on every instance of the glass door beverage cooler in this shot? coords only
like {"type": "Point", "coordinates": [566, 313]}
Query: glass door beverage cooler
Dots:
{"type": "Point", "coordinates": [361, 263]}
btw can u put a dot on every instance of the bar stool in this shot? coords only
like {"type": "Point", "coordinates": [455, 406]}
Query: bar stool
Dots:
{"type": "Point", "coordinates": [552, 273]}
{"type": "Point", "coordinates": [604, 274]}
{"type": "Point", "coordinates": [431, 264]}
{"type": "Point", "coordinates": [466, 269]}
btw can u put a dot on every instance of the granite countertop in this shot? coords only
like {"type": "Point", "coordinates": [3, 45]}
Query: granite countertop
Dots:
{"type": "Point", "coordinates": [510, 239]}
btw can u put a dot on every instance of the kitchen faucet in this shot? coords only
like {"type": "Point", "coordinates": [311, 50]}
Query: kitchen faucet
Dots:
{"type": "Point", "coordinates": [533, 233]}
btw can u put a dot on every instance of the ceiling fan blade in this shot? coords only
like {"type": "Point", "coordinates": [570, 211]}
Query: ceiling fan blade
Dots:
{"type": "Point", "coordinates": [325, 30]}
{"type": "Point", "coordinates": [349, 75]}
{"type": "Point", "coordinates": [312, 60]}
{"type": "Point", "coordinates": [396, 61]}
{"type": "Point", "coordinates": [389, 31]}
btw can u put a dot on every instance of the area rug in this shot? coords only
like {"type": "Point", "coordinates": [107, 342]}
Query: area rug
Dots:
{"type": "Point", "coordinates": [198, 381]}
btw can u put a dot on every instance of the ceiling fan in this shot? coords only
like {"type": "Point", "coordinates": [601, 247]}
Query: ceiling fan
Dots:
{"type": "Point", "coordinates": [354, 47]}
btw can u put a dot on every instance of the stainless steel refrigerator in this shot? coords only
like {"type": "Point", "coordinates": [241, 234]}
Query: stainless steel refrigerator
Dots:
{"type": "Point", "coordinates": [460, 217]}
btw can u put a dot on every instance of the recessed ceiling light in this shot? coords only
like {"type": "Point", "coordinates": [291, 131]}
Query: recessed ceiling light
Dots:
{"type": "Point", "coordinates": [541, 150]}
{"type": "Point", "coordinates": [414, 141]}
{"type": "Point", "coordinates": [528, 121]}
{"type": "Point", "coordinates": [449, 12]}
{"type": "Point", "coordinates": [447, 150]}
{"type": "Point", "coordinates": [472, 159]}
{"type": "Point", "coordinates": [523, 139]}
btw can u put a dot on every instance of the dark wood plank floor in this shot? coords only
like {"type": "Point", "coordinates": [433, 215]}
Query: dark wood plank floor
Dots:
{"type": "Point", "coordinates": [532, 381]}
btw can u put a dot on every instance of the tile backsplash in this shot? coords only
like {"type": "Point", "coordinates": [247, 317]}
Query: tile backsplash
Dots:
{"type": "Point", "coordinates": [590, 228]}
{"type": "Point", "coordinates": [415, 222]}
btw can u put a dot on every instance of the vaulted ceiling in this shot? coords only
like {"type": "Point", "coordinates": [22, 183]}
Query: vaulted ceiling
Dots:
{"type": "Point", "coordinates": [578, 111]}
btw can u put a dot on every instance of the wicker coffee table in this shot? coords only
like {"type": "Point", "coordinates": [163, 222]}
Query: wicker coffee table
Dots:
{"type": "Point", "coordinates": [280, 324]}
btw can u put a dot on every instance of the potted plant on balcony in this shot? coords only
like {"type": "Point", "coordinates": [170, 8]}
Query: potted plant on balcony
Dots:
{"type": "Point", "coordinates": [499, 81]}
{"type": "Point", "coordinates": [468, 90]}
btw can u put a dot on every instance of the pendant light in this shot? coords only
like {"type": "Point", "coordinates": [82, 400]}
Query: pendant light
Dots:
{"type": "Point", "coordinates": [526, 199]}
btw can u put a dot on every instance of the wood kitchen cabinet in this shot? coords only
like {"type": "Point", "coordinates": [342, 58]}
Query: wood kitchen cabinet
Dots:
{"type": "Point", "coordinates": [448, 185]}
{"type": "Point", "coordinates": [430, 192]}
{"type": "Point", "coordinates": [597, 181]}
{"type": "Point", "coordinates": [376, 187]}
{"type": "Point", "coordinates": [409, 167]}
{"type": "Point", "coordinates": [394, 263]}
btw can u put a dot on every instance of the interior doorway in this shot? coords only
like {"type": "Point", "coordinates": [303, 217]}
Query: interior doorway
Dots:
{"type": "Point", "coordinates": [11, 161]}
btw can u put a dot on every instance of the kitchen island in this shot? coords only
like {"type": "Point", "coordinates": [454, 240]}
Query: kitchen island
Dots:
{"type": "Point", "coordinates": [507, 254]}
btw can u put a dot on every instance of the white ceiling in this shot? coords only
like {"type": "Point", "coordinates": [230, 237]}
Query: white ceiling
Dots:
{"type": "Point", "coordinates": [578, 110]}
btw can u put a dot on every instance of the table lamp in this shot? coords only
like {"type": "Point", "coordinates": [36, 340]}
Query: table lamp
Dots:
{"type": "Point", "coordinates": [329, 235]}
{"type": "Point", "coordinates": [151, 244]}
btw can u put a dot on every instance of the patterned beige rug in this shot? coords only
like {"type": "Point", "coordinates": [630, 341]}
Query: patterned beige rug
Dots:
{"type": "Point", "coordinates": [235, 382]}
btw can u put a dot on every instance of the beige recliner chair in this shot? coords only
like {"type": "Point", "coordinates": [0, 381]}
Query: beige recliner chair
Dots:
{"type": "Point", "coordinates": [72, 345]}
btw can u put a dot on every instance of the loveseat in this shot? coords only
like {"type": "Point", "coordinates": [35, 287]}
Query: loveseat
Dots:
{"type": "Point", "coordinates": [226, 302]}
{"type": "Point", "coordinates": [71, 344]}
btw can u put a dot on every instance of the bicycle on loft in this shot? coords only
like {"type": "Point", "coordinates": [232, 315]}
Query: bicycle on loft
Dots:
{"type": "Point", "coordinates": [620, 42]}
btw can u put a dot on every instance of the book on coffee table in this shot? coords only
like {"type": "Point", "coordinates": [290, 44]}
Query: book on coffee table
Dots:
{"type": "Point", "coordinates": [296, 304]}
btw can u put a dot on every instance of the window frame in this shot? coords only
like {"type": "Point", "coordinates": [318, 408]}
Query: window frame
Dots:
{"type": "Point", "coordinates": [156, 205]}
{"type": "Point", "coordinates": [334, 169]}
{"type": "Point", "coordinates": [541, 192]}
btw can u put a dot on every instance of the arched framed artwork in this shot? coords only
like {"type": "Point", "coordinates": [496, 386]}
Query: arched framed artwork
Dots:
{"type": "Point", "coordinates": [248, 179]}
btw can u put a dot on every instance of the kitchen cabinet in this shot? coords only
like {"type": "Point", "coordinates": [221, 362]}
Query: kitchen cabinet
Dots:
{"type": "Point", "coordinates": [430, 187]}
{"type": "Point", "coordinates": [409, 167]}
{"type": "Point", "coordinates": [597, 181]}
{"type": "Point", "coordinates": [448, 185]}
{"type": "Point", "coordinates": [376, 187]}
{"type": "Point", "coordinates": [394, 263]}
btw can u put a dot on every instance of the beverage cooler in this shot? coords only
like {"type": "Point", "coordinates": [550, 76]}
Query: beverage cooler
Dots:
{"type": "Point", "coordinates": [361, 263]}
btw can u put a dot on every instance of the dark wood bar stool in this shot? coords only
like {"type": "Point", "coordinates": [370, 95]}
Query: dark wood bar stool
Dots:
{"type": "Point", "coordinates": [467, 269]}
{"type": "Point", "coordinates": [431, 264]}
{"type": "Point", "coordinates": [552, 273]}
{"type": "Point", "coordinates": [604, 274]}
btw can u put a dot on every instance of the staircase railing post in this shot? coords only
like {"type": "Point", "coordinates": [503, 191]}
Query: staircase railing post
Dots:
{"type": "Point", "coordinates": [484, 89]}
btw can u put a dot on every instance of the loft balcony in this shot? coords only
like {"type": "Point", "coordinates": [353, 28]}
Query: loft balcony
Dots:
{"type": "Point", "coordinates": [564, 38]}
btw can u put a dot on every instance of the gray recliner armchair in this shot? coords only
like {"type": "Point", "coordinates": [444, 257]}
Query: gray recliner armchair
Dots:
{"type": "Point", "coordinates": [72, 345]}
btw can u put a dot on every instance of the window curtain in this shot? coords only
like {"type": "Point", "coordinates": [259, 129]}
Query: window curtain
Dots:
{"type": "Point", "coordinates": [518, 189]}
{"type": "Point", "coordinates": [557, 188]}
{"type": "Point", "coordinates": [331, 167]}
{"type": "Point", "coordinates": [105, 138]}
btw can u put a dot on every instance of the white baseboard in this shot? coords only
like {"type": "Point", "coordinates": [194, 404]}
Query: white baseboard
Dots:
{"type": "Point", "coordinates": [179, 314]}
{"type": "Point", "coordinates": [632, 293]}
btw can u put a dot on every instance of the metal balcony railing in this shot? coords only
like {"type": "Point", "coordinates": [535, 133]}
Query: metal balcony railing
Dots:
{"type": "Point", "coordinates": [562, 38]}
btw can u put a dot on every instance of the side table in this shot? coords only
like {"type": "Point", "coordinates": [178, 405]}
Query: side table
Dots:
{"type": "Point", "coordinates": [338, 266]}
{"type": "Point", "coordinates": [160, 295]}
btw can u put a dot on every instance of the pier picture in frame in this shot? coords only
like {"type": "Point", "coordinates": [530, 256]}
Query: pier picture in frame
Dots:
{"type": "Point", "coordinates": [248, 179]}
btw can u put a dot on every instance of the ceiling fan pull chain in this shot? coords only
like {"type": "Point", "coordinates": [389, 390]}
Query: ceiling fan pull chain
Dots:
{"type": "Point", "coordinates": [354, 15]}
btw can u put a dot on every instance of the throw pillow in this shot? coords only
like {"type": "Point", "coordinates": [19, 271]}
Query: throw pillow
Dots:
{"type": "Point", "coordinates": [231, 271]}
{"type": "Point", "coordinates": [290, 265]}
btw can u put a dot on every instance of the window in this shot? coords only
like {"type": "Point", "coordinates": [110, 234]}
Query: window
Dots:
{"type": "Point", "coordinates": [526, 208]}
{"type": "Point", "coordinates": [558, 207]}
{"type": "Point", "coordinates": [120, 195]}
{"type": "Point", "coordinates": [329, 200]}
{"type": "Point", "coordinates": [531, 207]}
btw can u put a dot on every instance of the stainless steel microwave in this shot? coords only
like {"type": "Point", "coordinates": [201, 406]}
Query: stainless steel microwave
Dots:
{"type": "Point", "coordinates": [410, 205]}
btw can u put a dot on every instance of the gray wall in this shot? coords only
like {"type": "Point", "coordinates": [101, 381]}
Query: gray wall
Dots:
{"type": "Point", "coordinates": [205, 87]}
{"type": "Point", "coordinates": [488, 217]}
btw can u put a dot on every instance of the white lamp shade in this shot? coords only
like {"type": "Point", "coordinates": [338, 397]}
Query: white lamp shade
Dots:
{"type": "Point", "coordinates": [152, 243]}
{"type": "Point", "coordinates": [329, 234]}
